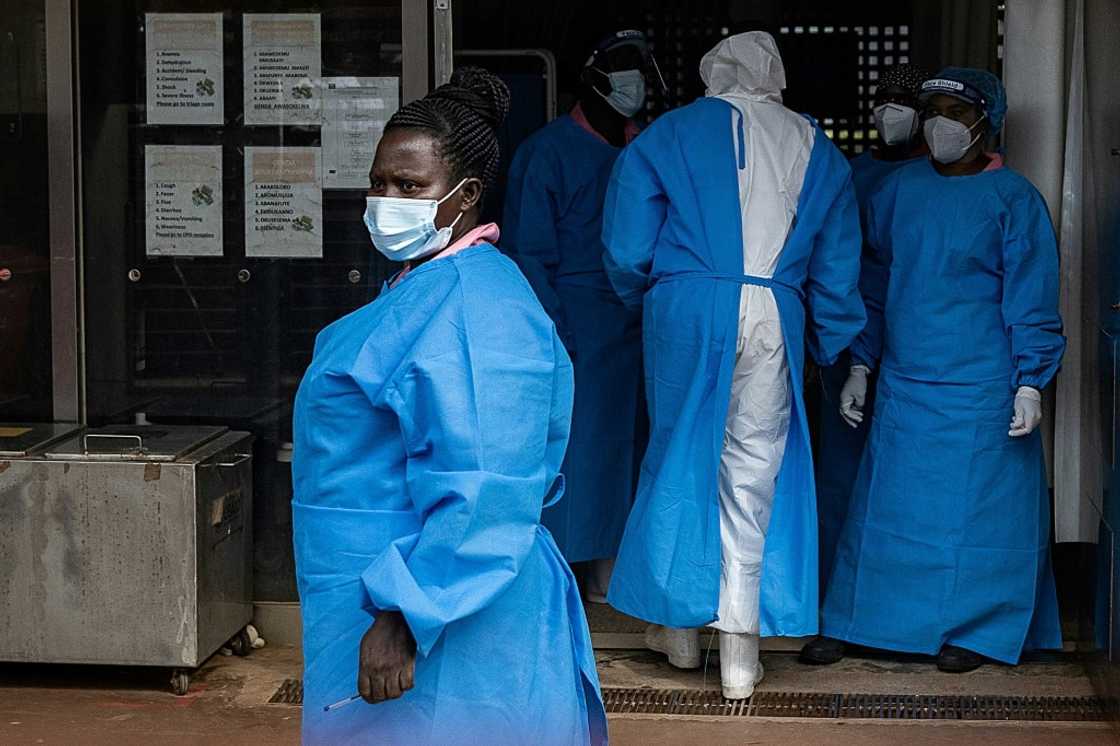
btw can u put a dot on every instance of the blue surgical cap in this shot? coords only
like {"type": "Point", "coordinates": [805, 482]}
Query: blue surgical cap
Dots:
{"type": "Point", "coordinates": [978, 87]}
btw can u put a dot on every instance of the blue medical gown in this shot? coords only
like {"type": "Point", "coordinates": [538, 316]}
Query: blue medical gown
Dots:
{"type": "Point", "coordinates": [429, 429]}
{"type": "Point", "coordinates": [947, 539]}
{"type": "Point", "coordinates": [840, 446]}
{"type": "Point", "coordinates": [551, 228]}
{"type": "Point", "coordinates": [673, 233]}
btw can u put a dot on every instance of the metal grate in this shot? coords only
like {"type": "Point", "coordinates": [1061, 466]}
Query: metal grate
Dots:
{"type": "Point", "coordinates": [857, 706]}
{"type": "Point", "coordinates": [289, 693]}
{"type": "Point", "coordinates": [709, 703]}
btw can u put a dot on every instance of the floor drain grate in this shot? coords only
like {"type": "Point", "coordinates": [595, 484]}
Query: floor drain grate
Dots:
{"type": "Point", "coordinates": [857, 706]}
{"type": "Point", "coordinates": [699, 702]}
{"type": "Point", "coordinates": [289, 693]}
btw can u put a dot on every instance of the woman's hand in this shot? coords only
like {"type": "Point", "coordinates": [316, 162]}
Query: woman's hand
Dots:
{"type": "Point", "coordinates": [386, 658]}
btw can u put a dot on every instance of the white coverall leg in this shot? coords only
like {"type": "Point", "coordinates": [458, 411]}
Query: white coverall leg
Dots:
{"type": "Point", "coordinates": [777, 144]}
{"type": "Point", "coordinates": [758, 416]}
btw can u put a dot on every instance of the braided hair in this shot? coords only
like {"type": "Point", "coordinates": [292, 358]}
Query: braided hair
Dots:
{"type": "Point", "coordinates": [464, 116]}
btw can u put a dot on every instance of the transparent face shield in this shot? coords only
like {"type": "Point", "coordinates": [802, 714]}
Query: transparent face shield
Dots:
{"type": "Point", "coordinates": [630, 55]}
{"type": "Point", "coordinates": [653, 72]}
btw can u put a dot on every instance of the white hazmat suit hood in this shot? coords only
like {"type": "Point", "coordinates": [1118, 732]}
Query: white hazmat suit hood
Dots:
{"type": "Point", "coordinates": [746, 65]}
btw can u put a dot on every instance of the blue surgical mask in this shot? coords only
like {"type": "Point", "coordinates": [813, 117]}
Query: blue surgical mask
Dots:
{"type": "Point", "coordinates": [404, 228]}
{"type": "Point", "coordinates": [628, 91]}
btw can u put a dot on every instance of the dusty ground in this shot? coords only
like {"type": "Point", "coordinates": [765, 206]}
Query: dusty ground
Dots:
{"type": "Point", "coordinates": [228, 704]}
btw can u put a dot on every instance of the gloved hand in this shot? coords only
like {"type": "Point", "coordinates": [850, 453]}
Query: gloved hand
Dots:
{"type": "Point", "coordinates": [1028, 412]}
{"type": "Point", "coordinates": [854, 394]}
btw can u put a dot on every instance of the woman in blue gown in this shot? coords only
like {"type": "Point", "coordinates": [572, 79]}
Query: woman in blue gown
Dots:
{"type": "Point", "coordinates": [429, 430]}
{"type": "Point", "coordinates": [946, 548]}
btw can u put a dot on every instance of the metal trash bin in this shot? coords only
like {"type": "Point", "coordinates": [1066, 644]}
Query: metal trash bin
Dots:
{"type": "Point", "coordinates": [126, 545]}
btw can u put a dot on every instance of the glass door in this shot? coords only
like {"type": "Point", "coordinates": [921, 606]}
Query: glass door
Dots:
{"type": "Point", "coordinates": [225, 153]}
{"type": "Point", "coordinates": [25, 258]}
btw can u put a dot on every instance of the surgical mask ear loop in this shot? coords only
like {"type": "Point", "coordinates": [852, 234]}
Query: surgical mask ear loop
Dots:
{"type": "Point", "coordinates": [606, 75]}
{"type": "Point", "coordinates": [446, 197]}
{"type": "Point", "coordinates": [456, 220]}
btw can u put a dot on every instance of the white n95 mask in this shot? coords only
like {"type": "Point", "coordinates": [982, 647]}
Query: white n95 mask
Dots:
{"type": "Point", "coordinates": [403, 228]}
{"type": "Point", "coordinates": [896, 123]}
{"type": "Point", "coordinates": [628, 91]}
{"type": "Point", "coordinates": [949, 139]}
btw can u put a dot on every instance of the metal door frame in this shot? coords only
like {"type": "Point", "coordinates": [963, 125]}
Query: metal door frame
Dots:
{"type": "Point", "coordinates": [63, 168]}
{"type": "Point", "coordinates": [418, 38]}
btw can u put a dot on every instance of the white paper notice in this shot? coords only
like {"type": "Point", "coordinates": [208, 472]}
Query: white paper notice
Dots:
{"type": "Point", "coordinates": [355, 111]}
{"type": "Point", "coordinates": [283, 202]}
{"type": "Point", "coordinates": [183, 203]}
{"type": "Point", "coordinates": [186, 84]}
{"type": "Point", "coordinates": [282, 68]}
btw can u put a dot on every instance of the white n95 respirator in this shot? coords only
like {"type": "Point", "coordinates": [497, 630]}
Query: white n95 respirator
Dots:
{"type": "Point", "coordinates": [897, 124]}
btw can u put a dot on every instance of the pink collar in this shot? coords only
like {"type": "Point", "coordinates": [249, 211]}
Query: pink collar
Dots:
{"type": "Point", "coordinates": [488, 233]}
{"type": "Point", "coordinates": [629, 132]}
{"type": "Point", "coordinates": [996, 162]}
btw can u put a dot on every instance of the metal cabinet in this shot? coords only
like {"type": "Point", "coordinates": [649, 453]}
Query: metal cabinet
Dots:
{"type": "Point", "coordinates": [127, 545]}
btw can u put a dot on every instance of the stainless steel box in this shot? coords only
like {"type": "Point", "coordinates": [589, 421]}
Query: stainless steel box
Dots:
{"type": "Point", "coordinates": [126, 546]}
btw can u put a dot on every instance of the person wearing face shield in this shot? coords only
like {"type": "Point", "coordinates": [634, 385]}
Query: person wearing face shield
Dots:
{"type": "Point", "coordinates": [733, 222]}
{"type": "Point", "coordinates": [551, 227]}
{"type": "Point", "coordinates": [946, 548]}
{"type": "Point", "coordinates": [839, 445]}
{"type": "Point", "coordinates": [429, 431]}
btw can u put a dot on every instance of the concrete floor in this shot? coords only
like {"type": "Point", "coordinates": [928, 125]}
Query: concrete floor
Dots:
{"type": "Point", "coordinates": [227, 704]}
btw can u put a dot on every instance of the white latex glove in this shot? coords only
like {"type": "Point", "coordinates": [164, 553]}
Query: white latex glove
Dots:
{"type": "Point", "coordinates": [854, 394]}
{"type": "Point", "coordinates": [1028, 412]}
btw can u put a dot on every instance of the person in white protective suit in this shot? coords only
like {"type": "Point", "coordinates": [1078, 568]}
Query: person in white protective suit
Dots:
{"type": "Point", "coordinates": [733, 221]}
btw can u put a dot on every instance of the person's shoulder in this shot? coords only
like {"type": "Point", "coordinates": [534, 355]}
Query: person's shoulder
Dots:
{"type": "Point", "coordinates": [864, 159]}
{"type": "Point", "coordinates": [1008, 178]}
{"type": "Point", "coordinates": [559, 132]}
{"type": "Point", "coordinates": [485, 264]}
{"type": "Point", "coordinates": [686, 115]}
{"type": "Point", "coordinates": [900, 178]}
{"type": "Point", "coordinates": [500, 307]}
{"type": "Point", "coordinates": [910, 171]}
{"type": "Point", "coordinates": [1017, 190]}
{"type": "Point", "coordinates": [550, 140]}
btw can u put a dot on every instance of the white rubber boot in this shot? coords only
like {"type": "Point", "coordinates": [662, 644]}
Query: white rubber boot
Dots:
{"type": "Point", "coordinates": [599, 579]}
{"type": "Point", "coordinates": [739, 668]}
{"type": "Point", "coordinates": [681, 645]}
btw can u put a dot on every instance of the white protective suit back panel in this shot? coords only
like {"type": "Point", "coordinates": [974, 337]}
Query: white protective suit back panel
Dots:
{"type": "Point", "coordinates": [778, 145]}
{"type": "Point", "coordinates": [775, 150]}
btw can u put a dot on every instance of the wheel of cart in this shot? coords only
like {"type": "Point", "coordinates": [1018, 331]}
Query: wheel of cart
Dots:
{"type": "Point", "coordinates": [180, 681]}
{"type": "Point", "coordinates": [241, 644]}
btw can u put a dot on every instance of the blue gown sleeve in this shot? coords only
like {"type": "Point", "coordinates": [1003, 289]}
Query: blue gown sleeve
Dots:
{"type": "Point", "coordinates": [477, 427]}
{"type": "Point", "coordinates": [529, 233]}
{"type": "Point", "coordinates": [874, 280]}
{"type": "Point", "coordinates": [1030, 292]}
{"type": "Point", "coordinates": [836, 313]}
{"type": "Point", "coordinates": [633, 212]}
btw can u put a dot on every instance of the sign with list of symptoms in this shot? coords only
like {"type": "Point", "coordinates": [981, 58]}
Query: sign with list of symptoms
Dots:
{"type": "Point", "coordinates": [183, 202]}
{"type": "Point", "coordinates": [185, 76]}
